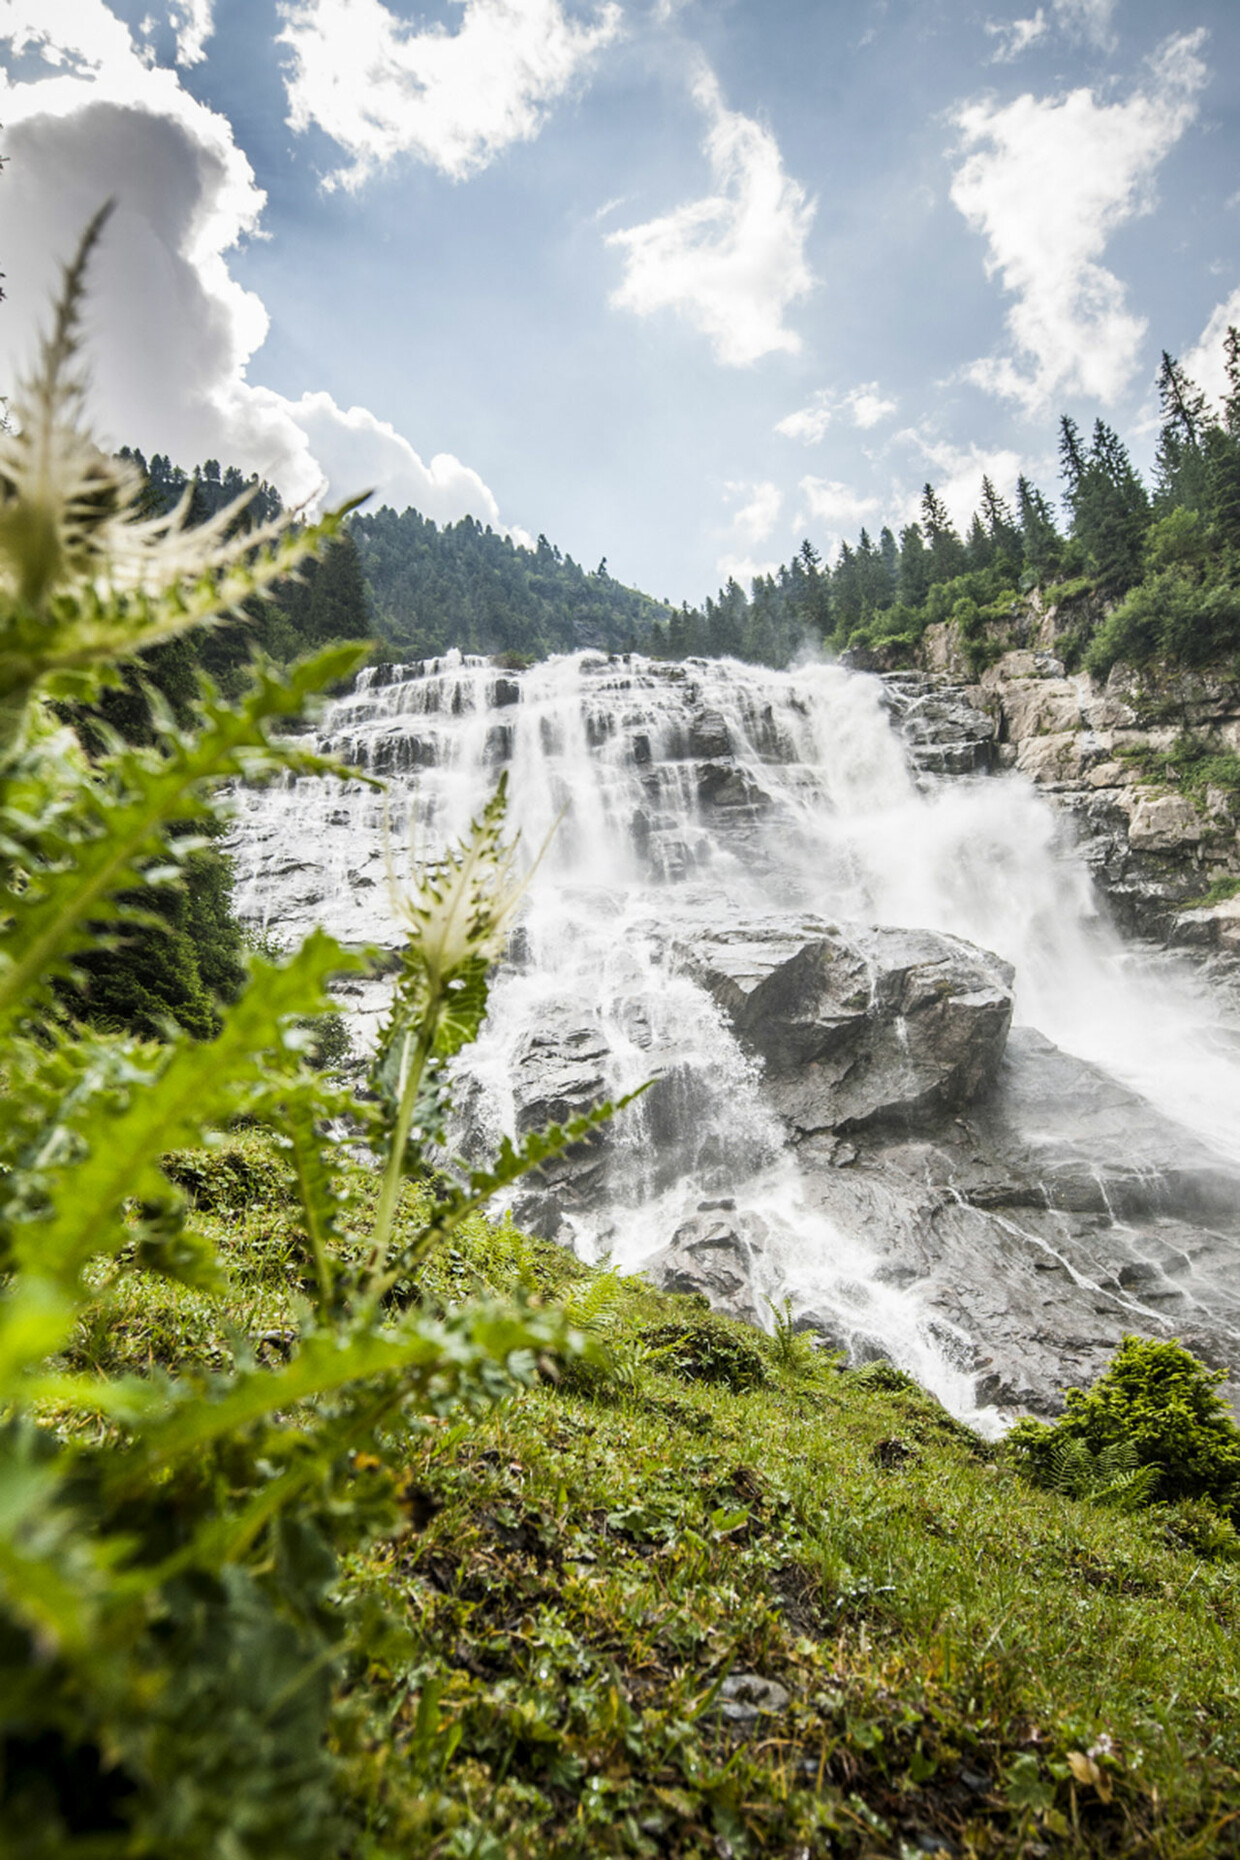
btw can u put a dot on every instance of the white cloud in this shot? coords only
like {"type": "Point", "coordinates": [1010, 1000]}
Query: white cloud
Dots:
{"type": "Point", "coordinates": [1205, 361]}
{"type": "Point", "coordinates": [171, 331]}
{"type": "Point", "coordinates": [1087, 19]}
{"type": "Point", "coordinates": [867, 406]}
{"type": "Point", "coordinates": [380, 87]}
{"type": "Point", "coordinates": [1081, 19]}
{"type": "Point", "coordinates": [757, 517]}
{"type": "Point", "coordinates": [194, 23]}
{"type": "Point", "coordinates": [841, 508]}
{"type": "Point", "coordinates": [742, 569]}
{"type": "Point", "coordinates": [1046, 182]}
{"type": "Point", "coordinates": [732, 262]}
{"type": "Point", "coordinates": [809, 424]}
{"type": "Point", "coordinates": [957, 472]}
{"type": "Point", "coordinates": [1016, 36]}
{"type": "Point", "coordinates": [354, 448]}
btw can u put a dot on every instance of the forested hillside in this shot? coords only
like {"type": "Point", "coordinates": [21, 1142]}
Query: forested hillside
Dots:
{"type": "Point", "coordinates": [466, 585]}
{"type": "Point", "coordinates": [326, 600]}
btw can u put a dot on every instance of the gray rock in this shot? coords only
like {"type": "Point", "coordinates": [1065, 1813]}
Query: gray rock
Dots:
{"type": "Point", "coordinates": [745, 1698]}
{"type": "Point", "coordinates": [708, 736]}
{"type": "Point", "coordinates": [859, 1025]}
{"type": "Point", "coordinates": [714, 1255]}
{"type": "Point", "coordinates": [1037, 1228]}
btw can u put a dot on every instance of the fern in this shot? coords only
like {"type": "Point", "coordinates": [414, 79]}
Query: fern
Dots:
{"type": "Point", "coordinates": [592, 1304]}
{"type": "Point", "coordinates": [1111, 1477]}
{"type": "Point", "coordinates": [794, 1350]}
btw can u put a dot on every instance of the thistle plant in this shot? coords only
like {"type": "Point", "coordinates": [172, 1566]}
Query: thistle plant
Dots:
{"type": "Point", "coordinates": [85, 580]}
{"type": "Point", "coordinates": [167, 1541]}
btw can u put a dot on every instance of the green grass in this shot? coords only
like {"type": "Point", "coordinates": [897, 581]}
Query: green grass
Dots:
{"type": "Point", "coordinates": [541, 1654]}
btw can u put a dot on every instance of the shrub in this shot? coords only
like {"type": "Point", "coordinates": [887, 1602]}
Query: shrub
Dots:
{"type": "Point", "coordinates": [708, 1349]}
{"type": "Point", "coordinates": [1155, 1407]}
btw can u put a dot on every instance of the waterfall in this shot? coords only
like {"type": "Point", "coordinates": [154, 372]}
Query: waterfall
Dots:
{"type": "Point", "coordinates": [679, 799]}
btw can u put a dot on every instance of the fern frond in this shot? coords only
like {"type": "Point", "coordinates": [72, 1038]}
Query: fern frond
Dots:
{"type": "Point", "coordinates": [591, 1305]}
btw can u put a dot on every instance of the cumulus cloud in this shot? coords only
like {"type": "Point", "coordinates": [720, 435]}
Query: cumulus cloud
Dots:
{"type": "Point", "coordinates": [840, 508]}
{"type": "Point", "coordinates": [957, 472]}
{"type": "Point", "coordinates": [1205, 361]}
{"type": "Point", "coordinates": [732, 262]}
{"type": "Point", "coordinates": [194, 22]}
{"type": "Point", "coordinates": [756, 518]}
{"type": "Point", "coordinates": [353, 447]}
{"type": "Point", "coordinates": [380, 87]}
{"type": "Point", "coordinates": [867, 406]}
{"type": "Point", "coordinates": [742, 569]}
{"type": "Point", "coordinates": [1046, 181]}
{"type": "Point", "coordinates": [172, 332]}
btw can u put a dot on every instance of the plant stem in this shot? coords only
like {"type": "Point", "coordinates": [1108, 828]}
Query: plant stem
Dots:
{"type": "Point", "coordinates": [394, 1174]}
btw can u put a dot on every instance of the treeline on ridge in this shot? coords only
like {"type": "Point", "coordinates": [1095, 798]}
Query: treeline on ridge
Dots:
{"type": "Point", "coordinates": [1162, 564]}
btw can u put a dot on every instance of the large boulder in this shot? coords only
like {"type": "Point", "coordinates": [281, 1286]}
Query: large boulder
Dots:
{"type": "Point", "coordinates": [859, 1025]}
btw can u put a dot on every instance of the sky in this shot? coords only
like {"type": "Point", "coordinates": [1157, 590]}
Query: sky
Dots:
{"type": "Point", "coordinates": [676, 283]}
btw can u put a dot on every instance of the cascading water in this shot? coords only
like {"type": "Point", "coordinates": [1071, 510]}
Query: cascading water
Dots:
{"type": "Point", "coordinates": [680, 800]}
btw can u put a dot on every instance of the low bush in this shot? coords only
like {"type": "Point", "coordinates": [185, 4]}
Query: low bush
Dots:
{"type": "Point", "coordinates": [708, 1349]}
{"type": "Point", "coordinates": [1155, 1407]}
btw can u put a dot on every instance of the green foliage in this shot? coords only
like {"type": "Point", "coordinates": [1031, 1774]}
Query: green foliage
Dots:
{"type": "Point", "coordinates": [1152, 1427]}
{"type": "Point", "coordinates": [1108, 1477]}
{"type": "Point", "coordinates": [707, 1348]}
{"type": "Point", "coordinates": [795, 1351]}
{"type": "Point", "coordinates": [1192, 766]}
{"type": "Point", "coordinates": [171, 1646]}
{"type": "Point", "coordinates": [467, 586]}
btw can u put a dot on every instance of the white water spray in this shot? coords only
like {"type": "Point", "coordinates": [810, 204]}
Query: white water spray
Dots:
{"type": "Point", "coordinates": [689, 797]}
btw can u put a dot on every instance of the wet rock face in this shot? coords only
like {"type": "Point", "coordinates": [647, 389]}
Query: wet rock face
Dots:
{"type": "Point", "coordinates": [944, 733]}
{"type": "Point", "coordinates": [859, 1025]}
{"type": "Point", "coordinates": [560, 1072]}
{"type": "Point", "coordinates": [714, 1254]}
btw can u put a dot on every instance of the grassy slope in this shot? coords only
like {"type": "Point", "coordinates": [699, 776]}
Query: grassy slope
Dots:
{"type": "Point", "coordinates": [584, 1566]}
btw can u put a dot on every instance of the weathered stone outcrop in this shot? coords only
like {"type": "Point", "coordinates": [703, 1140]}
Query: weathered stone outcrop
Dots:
{"type": "Point", "coordinates": [1152, 848]}
{"type": "Point", "coordinates": [1057, 1214]}
{"type": "Point", "coordinates": [859, 1025]}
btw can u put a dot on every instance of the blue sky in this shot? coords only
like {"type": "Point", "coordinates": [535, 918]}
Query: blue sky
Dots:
{"type": "Point", "coordinates": [676, 283]}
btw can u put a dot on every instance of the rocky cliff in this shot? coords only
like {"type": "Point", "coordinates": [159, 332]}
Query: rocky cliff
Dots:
{"type": "Point", "coordinates": [1139, 764]}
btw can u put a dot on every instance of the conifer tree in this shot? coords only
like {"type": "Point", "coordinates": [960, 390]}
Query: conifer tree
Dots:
{"type": "Point", "coordinates": [1001, 527]}
{"type": "Point", "coordinates": [947, 552]}
{"type": "Point", "coordinates": [1223, 454]}
{"type": "Point", "coordinates": [1181, 473]}
{"type": "Point", "coordinates": [914, 582]}
{"type": "Point", "coordinates": [1041, 543]}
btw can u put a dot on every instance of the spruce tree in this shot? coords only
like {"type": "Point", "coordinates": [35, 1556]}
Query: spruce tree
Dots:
{"type": "Point", "coordinates": [914, 582]}
{"type": "Point", "coordinates": [1001, 529]}
{"type": "Point", "coordinates": [947, 552]}
{"type": "Point", "coordinates": [1223, 455]}
{"type": "Point", "coordinates": [1041, 543]}
{"type": "Point", "coordinates": [1181, 473]}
